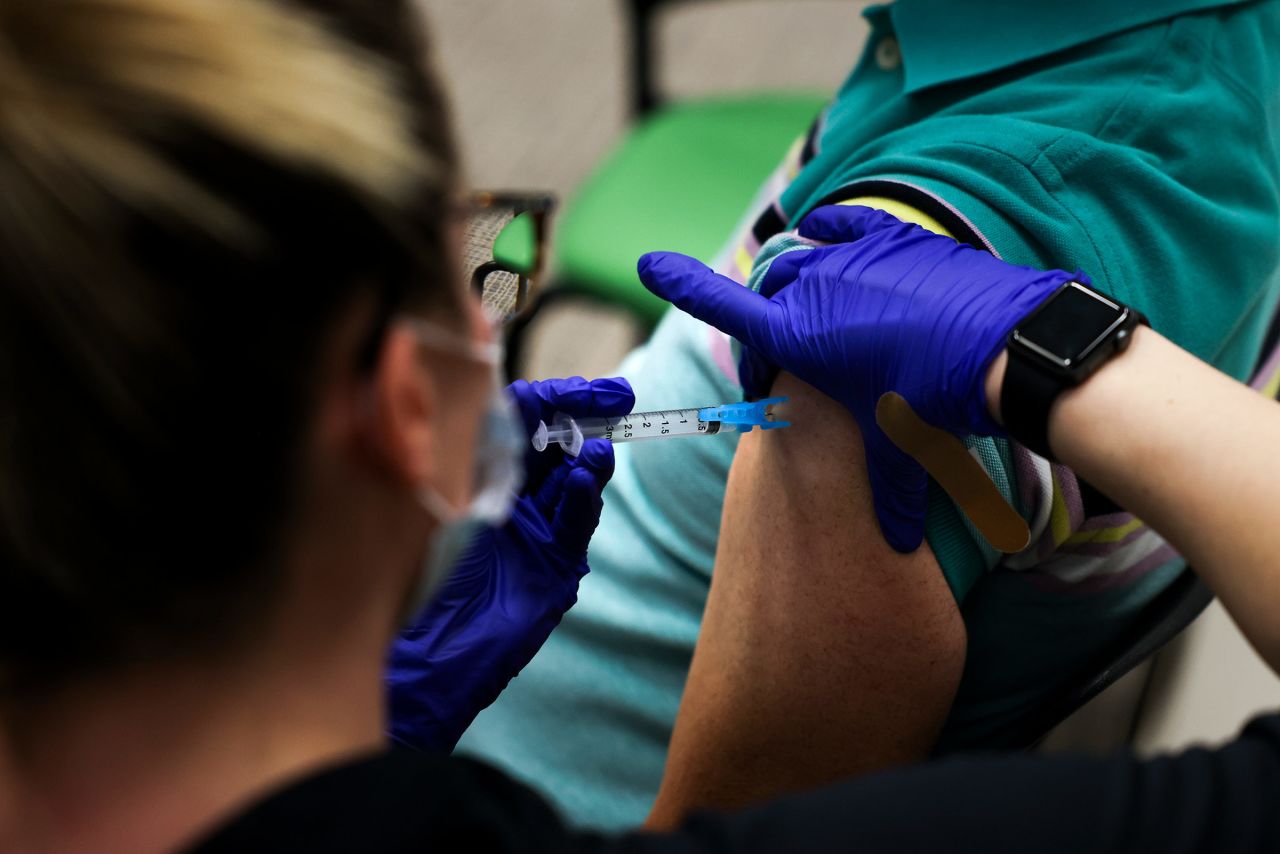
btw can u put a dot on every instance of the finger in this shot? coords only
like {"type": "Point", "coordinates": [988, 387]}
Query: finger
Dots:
{"type": "Point", "coordinates": [571, 395]}
{"type": "Point", "coordinates": [845, 223]}
{"type": "Point", "coordinates": [578, 514]}
{"type": "Point", "coordinates": [611, 396]}
{"type": "Point", "coordinates": [597, 457]}
{"type": "Point", "coordinates": [783, 270]}
{"type": "Point", "coordinates": [692, 286]}
{"type": "Point", "coordinates": [899, 491]}
{"type": "Point", "coordinates": [756, 374]}
{"type": "Point", "coordinates": [528, 404]}
{"type": "Point", "coordinates": [531, 408]}
{"type": "Point", "coordinates": [546, 496]}
{"type": "Point", "coordinates": [581, 398]}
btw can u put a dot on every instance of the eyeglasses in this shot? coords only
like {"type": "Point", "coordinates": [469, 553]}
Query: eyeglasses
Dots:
{"type": "Point", "coordinates": [504, 248]}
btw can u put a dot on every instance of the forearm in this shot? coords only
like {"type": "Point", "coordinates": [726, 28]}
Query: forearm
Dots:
{"type": "Point", "coordinates": [823, 653]}
{"type": "Point", "coordinates": [1193, 454]}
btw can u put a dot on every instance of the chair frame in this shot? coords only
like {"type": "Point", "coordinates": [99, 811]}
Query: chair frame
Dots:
{"type": "Point", "coordinates": [539, 205]}
{"type": "Point", "coordinates": [642, 35]}
{"type": "Point", "coordinates": [642, 30]}
{"type": "Point", "coordinates": [1163, 619]}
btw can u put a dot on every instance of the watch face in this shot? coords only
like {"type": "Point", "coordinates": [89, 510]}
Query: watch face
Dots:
{"type": "Point", "coordinates": [1070, 325]}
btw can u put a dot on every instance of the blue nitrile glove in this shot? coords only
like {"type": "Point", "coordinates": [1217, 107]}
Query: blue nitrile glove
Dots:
{"type": "Point", "coordinates": [889, 308]}
{"type": "Point", "coordinates": [512, 586]}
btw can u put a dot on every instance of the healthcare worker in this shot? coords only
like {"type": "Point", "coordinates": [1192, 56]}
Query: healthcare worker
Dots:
{"type": "Point", "coordinates": [249, 423]}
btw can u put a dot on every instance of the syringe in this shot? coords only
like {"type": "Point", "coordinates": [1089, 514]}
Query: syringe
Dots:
{"type": "Point", "coordinates": [571, 432]}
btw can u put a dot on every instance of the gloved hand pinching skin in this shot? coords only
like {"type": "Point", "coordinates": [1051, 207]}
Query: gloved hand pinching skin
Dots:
{"type": "Point", "coordinates": [887, 307]}
{"type": "Point", "coordinates": [513, 584]}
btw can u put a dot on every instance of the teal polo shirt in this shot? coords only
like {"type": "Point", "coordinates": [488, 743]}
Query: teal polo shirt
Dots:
{"type": "Point", "coordinates": [1134, 141]}
{"type": "Point", "coordinates": [1137, 141]}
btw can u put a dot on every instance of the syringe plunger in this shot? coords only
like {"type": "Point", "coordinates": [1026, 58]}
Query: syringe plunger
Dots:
{"type": "Point", "coordinates": [564, 430]}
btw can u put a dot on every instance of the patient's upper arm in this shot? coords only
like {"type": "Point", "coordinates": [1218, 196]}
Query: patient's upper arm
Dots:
{"type": "Point", "coordinates": [823, 652]}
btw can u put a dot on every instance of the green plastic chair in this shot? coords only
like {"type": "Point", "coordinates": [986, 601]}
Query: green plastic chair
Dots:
{"type": "Point", "coordinates": [680, 180]}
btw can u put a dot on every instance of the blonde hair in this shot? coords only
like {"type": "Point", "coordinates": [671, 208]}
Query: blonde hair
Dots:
{"type": "Point", "coordinates": [191, 193]}
{"type": "Point", "coordinates": [270, 78]}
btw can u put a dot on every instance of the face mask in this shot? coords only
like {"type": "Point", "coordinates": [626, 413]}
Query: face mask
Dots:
{"type": "Point", "coordinates": [499, 469]}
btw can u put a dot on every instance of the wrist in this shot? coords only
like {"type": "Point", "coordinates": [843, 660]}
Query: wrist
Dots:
{"type": "Point", "coordinates": [1059, 346]}
{"type": "Point", "coordinates": [1143, 337]}
{"type": "Point", "coordinates": [1112, 382]}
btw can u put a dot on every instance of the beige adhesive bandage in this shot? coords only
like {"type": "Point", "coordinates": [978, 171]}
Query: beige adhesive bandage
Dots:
{"type": "Point", "coordinates": [948, 462]}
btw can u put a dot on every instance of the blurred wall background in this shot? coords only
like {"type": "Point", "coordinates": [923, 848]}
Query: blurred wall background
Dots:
{"type": "Point", "coordinates": [539, 86]}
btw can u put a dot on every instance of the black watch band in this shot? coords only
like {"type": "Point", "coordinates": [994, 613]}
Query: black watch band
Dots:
{"type": "Point", "coordinates": [1058, 346]}
{"type": "Point", "coordinates": [1026, 397]}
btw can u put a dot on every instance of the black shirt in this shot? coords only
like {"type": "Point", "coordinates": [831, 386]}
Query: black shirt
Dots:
{"type": "Point", "coordinates": [1221, 801]}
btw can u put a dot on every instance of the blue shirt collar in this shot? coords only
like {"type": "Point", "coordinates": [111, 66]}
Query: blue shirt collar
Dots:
{"type": "Point", "coordinates": [947, 40]}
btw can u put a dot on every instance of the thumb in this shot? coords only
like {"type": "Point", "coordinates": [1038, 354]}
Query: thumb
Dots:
{"type": "Point", "coordinates": [845, 223]}
{"type": "Point", "coordinates": [899, 491]}
{"type": "Point", "coordinates": [694, 288]}
{"type": "Point", "coordinates": [578, 514]}
{"type": "Point", "coordinates": [785, 269]}
{"type": "Point", "coordinates": [596, 457]}
{"type": "Point", "coordinates": [756, 374]}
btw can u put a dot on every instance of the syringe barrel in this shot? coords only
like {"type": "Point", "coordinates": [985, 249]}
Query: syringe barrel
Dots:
{"type": "Point", "coordinates": [571, 432]}
{"type": "Point", "coordinates": [637, 426]}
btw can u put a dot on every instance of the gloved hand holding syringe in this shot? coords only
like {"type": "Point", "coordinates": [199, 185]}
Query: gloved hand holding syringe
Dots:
{"type": "Point", "coordinates": [569, 433]}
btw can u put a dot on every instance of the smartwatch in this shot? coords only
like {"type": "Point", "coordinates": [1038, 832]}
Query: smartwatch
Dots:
{"type": "Point", "coordinates": [1056, 347]}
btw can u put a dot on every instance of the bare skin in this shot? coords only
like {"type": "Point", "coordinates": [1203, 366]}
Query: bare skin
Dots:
{"type": "Point", "coordinates": [823, 653]}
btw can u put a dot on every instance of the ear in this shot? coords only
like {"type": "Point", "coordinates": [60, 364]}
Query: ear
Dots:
{"type": "Point", "coordinates": [402, 412]}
